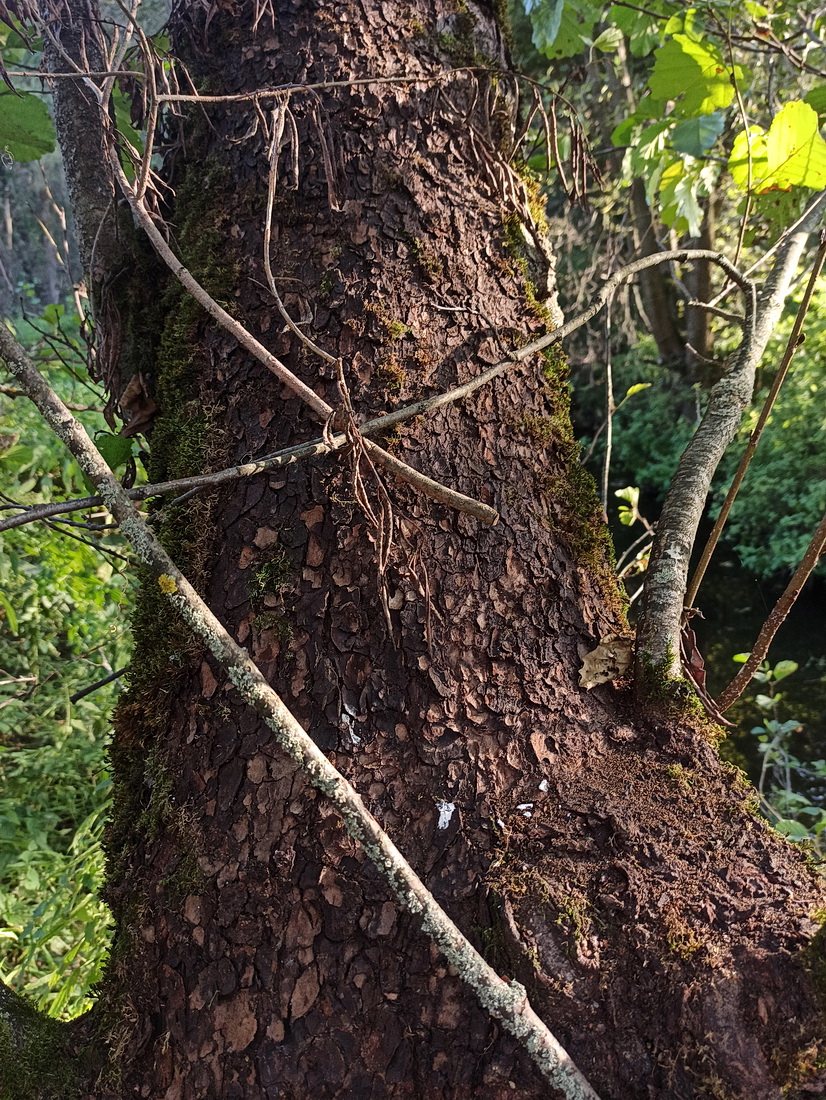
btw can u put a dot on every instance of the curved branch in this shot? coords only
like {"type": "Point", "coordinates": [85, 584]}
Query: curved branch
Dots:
{"type": "Point", "coordinates": [658, 632]}
{"type": "Point", "coordinates": [389, 420]}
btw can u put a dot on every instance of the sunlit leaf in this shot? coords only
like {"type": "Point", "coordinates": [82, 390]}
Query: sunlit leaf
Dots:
{"type": "Point", "coordinates": [680, 199]}
{"type": "Point", "coordinates": [609, 40]}
{"type": "Point", "coordinates": [791, 154]}
{"type": "Point", "coordinates": [784, 668]}
{"type": "Point", "coordinates": [695, 74]}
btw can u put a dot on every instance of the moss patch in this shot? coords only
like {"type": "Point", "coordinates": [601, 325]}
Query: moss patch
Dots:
{"type": "Point", "coordinates": [38, 1058]}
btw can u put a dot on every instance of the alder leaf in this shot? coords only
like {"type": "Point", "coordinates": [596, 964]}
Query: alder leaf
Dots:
{"type": "Point", "coordinates": [791, 154]}
{"type": "Point", "coordinates": [26, 131]}
{"type": "Point", "coordinates": [115, 449]}
{"type": "Point", "coordinates": [696, 136]}
{"type": "Point", "coordinates": [678, 196]}
{"type": "Point", "coordinates": [695, 74]}
{"type": "Point", "coordinates": [609, 40]}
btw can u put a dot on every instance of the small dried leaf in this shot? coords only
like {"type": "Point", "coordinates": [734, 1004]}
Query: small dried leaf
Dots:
{"type": "Point", "coordinates": [609, 661]}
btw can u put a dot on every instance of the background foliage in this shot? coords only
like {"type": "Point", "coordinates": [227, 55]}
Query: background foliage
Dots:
{"type": "Point", "coordinates": [62, 629]}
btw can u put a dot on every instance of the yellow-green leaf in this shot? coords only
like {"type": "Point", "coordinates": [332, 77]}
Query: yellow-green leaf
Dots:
{"type": "Point", "coordinates": [791, 154]}
{"type": "Point", "coordinates": [695, 74]}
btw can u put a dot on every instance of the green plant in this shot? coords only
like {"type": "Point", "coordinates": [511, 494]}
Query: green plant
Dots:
{"type": "Point", "coordinates": [791, 811]}
{"type": "Point", "coordinates": [62, 605]}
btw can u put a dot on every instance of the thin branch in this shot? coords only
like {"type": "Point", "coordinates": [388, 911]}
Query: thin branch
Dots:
{"type": "Point", "coordinates": [78, 695]}
{"type": "Point", "coordinates": [389, 420]}
{"type": "Point", "coordinates": [322, 409]}
{"type": "Point", "coordinates": [732, 318]}
{"type": "Point", "coordinates": [776, 618]}
{"type": "Point", "coordinates": [793, 343]}
{"type": "Point", "coordinates": [505, 1001]}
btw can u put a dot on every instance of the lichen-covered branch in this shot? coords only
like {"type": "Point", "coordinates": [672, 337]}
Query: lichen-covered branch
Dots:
{"type": "Point", "coordinates": [505, 1001]}
{"type": "Point", "coordinates": [658, 632]}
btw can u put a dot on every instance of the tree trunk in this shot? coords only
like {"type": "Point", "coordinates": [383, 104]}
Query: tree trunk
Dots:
{"type": "Point", "coordinates": [601, 855]}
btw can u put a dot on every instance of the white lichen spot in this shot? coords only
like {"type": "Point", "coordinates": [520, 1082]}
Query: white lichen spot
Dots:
{"type": "Point", "coordinates": [445, 813]}
{"type": "Point", "coordinates": [543, 786]}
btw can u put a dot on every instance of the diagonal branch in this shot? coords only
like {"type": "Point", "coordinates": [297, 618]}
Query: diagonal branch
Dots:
{"type": "Point", "coordinates": [505, 1001]}
{"type": "Point", "coordinates": [389, 420]}
{"type": "Point", "coordinates": [658, 632]}
{"type": "Point", "coordinates": [776, 618]}
{"type": "Point", "coordinates": [318, 405]}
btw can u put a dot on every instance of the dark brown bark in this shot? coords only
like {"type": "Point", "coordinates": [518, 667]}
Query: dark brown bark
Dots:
{"type": "Point", "coordinates": [657, 295]}
{"type": "Point", "coordinates": [604, 857]}
{"type": "Point", "coordinates": [698, 284]}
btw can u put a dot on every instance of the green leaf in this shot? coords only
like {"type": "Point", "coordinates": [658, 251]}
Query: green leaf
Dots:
{"type": "Point", "coordinates": [817, 98]}
{"type": "Point", "coordinates": [559, 28]}
{"type": "Point", "coordinates": [765, 702]}
{"type": "Point", "coordinates": [791, 154]}
{"type": "Point", "coordinates": [26, 131]}
{"type": "Point", "coordinates": [546, 16]}
{"type": "Point", "coordinates": [11, 618]}
{"type": "Point", "coordinates": [621, 134]}
{"type": "Point", "coordinates": [679, 198]}
{"type": "Point", "coordinates": [609, 40]}
{"type": "Point", "coordinates": [114, 448]}
{"type": "Point", "coordinates": [794, 830]}
{"type": "Point", "coordinates": [696, 136]}
{"type": "Point", "coordinates": [638, 387]}
{"type": "Point", "coordinates": [686, 22]}
{"type": "Point", "coordinates": [741, 658]}
{"type": "Point", "coordinates": [644, 32]}
{"type": "Point", "coordinates": [784, 668]}
{"type": "Point", "coordinates": [795, 150]}
{"type": "Point", "coordinates": [695, 74]}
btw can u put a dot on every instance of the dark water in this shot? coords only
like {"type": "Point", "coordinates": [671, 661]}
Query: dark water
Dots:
{"type": "Point", "coordinates": [735, 605]}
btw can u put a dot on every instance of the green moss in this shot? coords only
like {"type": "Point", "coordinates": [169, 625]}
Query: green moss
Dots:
{"type": "Point", "coordinates": [517, 247]}
{"type": "Point", "coordinates": [325, 289]}
{"type": "Point", "coordinates": [38, 1058]}
{"type": "Point", "coordinates": [672, 694]}
{"type": "Point", "coordinates": [429, 266]}
{"type": "Point", "coordinates": [271, 576]}
{"type": "Point", "coordinates": [678, 774]}
{"type": "Point", "coordinates": [391, 374]}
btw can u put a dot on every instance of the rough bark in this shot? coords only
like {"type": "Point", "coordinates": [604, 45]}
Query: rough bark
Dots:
{"type": "Point", "coordinates": [605, 859]}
